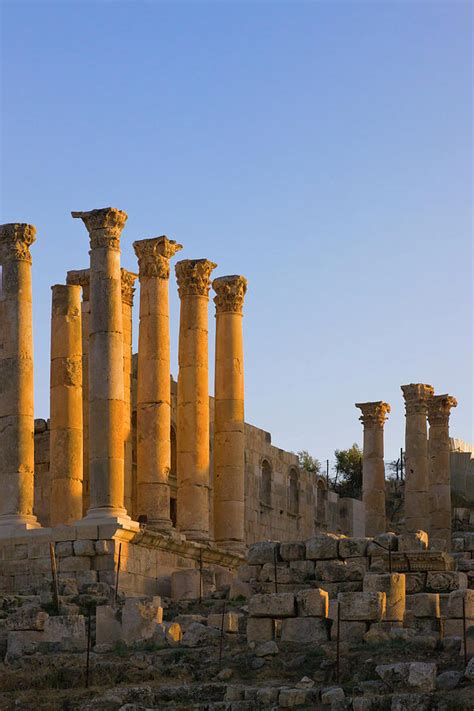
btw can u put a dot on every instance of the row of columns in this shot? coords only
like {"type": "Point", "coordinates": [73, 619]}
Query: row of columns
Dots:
{"type": "Point", "coordinates": [428, 482]}
{"type": "Point", "coordinates": [91, 354]}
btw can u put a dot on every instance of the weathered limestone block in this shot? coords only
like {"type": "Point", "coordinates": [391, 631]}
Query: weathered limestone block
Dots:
{"type": "Point", "coordinates": [167, 634]}
{"type": "Point", "coordinates": [272, 605]}
{"type": "Point", "coordinates": [260, 629]}
{"type": "Point", "coordinates": [366, 606]}
{"type": "Point", "coordinates": [333, 589]}
{"type": "Point", "coordinates": [22, 643]}
{"type": "Point", "coordinates": [331, 570]}
{"type": "Point", "coordinates": [393, 585]}
{"type": "Point", "coordinates": [353, 547]}
{"type": "Point", "coordinates": [312, 603]}
{"type": "Point", "coordinates": [356, 568]}
{"type": "Point", "coordinates": [415, 583]}
{"type": "Point", "coordinates": [240, 589]}
{"type": "Point", "coordinates": [108, 625]}
{"type": "Point", "coordinates": [67, 630]}
{"type": "Point", "coordinates": [245, 573]}
{"type": "Point", "coordinates": [382, 543]}
{"type": "Point", "coordinates": [445, 581]}
{"type": "Point", "coordinates": [187, 584]}
{"type": "Point", "coordinates": [139, 618]}
{"type": "Point", "coordinates": [283, 572]}
{"type": "Point", "coordinates": [455, 603]}
{"type": "Point", "coordinates": [423, 604]}
{"type": "Point", "coordinates": [197, 635]}
{"type": "Point", "coordinates": [27, 618]}
{"type": "Point", "coordinates": [84, 547]}
{"type": "Point", "coordinates": [350, 631]}
{"type": "Point", "coordinates": [292, 551]}
{"type": "Point", "coordinates": [305, 630]}
{"type": "Point", "coordinates": [289, 698]}
{"type": "Point", "coordinates": [420, 676]}
{"type": "Point", "coordinates": [322, 547]}
{"type": "Point", "coordinates": [304, 567]}
{"type": "Point", "coordinates": [229, 622]}
{"type": "Point", "coordinates": [416, 540]}
{"type": "Point", "coordinates": [263, 552]}
{"type": "Point", "coordinates": [454, 626]}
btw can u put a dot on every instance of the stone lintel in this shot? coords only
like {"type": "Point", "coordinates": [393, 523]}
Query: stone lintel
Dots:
{"type": "Point", "coordinates": [230, 293]}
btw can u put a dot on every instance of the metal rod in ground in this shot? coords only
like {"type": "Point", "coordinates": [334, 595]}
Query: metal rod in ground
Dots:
{"type": "Point", "coordinates": [441, 627]}
{"type": "Point", "coordinates": [464, 631]}
{"type": "Point", "coordinates": [88, 653]}
{"type": "Point", "coordinates": [200, 575]}
{"type": "Point", "coordinates": [117, 575]}
{"type": "Point", "coordinates": [275, 568]}
{"type": "Point", "coordinates": [54, 573]}
{"type": "Point", "coordinates": [221, 641]}
{"type": "Point", "coordinates": [338, 640]}
{"type": "Point", "coordinates": [390, 557]}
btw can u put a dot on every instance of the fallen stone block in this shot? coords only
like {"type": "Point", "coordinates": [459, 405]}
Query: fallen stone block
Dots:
{"type": "Point", "coordinates": [410, 702]}
{"type": "Point", "coordinates": [331, 570]}
{"type": "Point", "coordinates": [283, 573]}
{"type": "Point", "coordinates": [139, 618]}
{"type": "Point", "coordinates": [332, 695]}
{"type": "Point", "coordinates": [415, 583]}
{"type": "Point", "coordinates": [453, 627]}
{"type": "Point", "coordinates": [312, 603]}
{"type": "Point", "coordinates": [245, 572]}
{"type": "Point", "coordinates": [304, 567]}
{"type": "Point", "coordinates": [379, 545]}
{"type": "Point", "coordinates": [356, 568]}
{"type": "Point", "coordinates": [333, 589]}
{"type": "Point", "coordinates": [393, 585]}
{"type": "Point", "coordinates": [322, 547]}
{"type": "Point", "coordinates": [349, 631]}
{"type": "Point", "coordinates": [455, 603]}
{"type": "Point", "coordinates": [448, 680]}
{"type": "Point", "coordinates": [198, 635]}
{"type": "Point", "coordinates": [167, 634]}
{"type": "Point", "coordinates": [413, 541]}
{"type": "Point", "coordinates": [353, 547]}
{"type": "Point", "coordinates": [422, 676]}
{"type": "Point", "coordinates": [27, 618]}
{"type": "Point", "coordinates": [260, 629]}
{"type": "Point", "coordinates": [423, 605]}
{"type": "Point", "coordinates": [267, 696]}
{"type": "Point", "coordinates": [108, 628]}
{"type": "Point", "coordinates": [306, 630]}
{"type": "Point", "coordinates": [272, 605]}
{"type": "Point", "coordinates": [365, 606]}
{"type": "Point", "coordinates": [185, 620]}
{"type": "Point", "coordinates": [292, 551]}
{"type": "Point", "coordinates": [445, 581]}
{"type": "Point", "coordinates": [229, 622]}
{"type": "Point", "coordinates": [263, 552]}
{"type": "Point", "coordinates": [267, 649]}
{"type": "Point", "coordinates": [240, 589]}
{"type": "Point", "coordinates": [289, 698]}
{"type": "Point", "coordinates": [187, 584]}
{"type": "Point", "coordinates": [67, 630]}
{"type": "Point", "coordinates": [23, 642]}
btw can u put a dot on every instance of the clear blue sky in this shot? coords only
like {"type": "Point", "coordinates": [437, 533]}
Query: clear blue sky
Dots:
{"type": "Point", "coordinates": [322, 149]}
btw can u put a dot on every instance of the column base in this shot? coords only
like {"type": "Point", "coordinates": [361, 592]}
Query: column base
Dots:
{"type": "Point", "coordinates": [108, 515]}
{"type": "Point", "coordinates": [17, 523]}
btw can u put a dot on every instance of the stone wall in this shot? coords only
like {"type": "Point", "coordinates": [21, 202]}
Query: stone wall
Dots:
{"type": "Point", "coordinates": [462, 472]}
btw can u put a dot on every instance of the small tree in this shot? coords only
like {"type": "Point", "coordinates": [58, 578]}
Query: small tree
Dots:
{"type": "Point", "coordinates": [348, 481]}
{"type": "Point", "coordinates": [308, 462]}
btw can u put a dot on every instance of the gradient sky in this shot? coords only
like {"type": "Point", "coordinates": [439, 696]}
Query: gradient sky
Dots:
{"type": "Point", "coordinates": [322, 149]}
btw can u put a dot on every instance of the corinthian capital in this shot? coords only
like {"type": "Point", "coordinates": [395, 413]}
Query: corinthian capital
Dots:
{"type": "Point", "coordinates": [80, 277]}
{"type": "Point", "coordinates": [15, 242]}
{"type": "Point", "coordinates": [104, 225]}
{"type": "Point", "coordinates": [154, 255]}
{"type": "Point", "coordinates": [128, 289]}
{"type": "Point", "coordinates": [374, 414]}
{"type": "Point", "coordinates": [417, 396]}
{"type": "Point", "coordinates": [193, 277]}
{"type": "Point", "coordinates": [230, 292]}
{"type": "Point", "coordinates": [439, 408]}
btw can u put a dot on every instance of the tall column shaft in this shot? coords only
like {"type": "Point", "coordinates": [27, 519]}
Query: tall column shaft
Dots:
{"type": "Point", "coordinates": [81, 278]}
{"type": "Point", "coordinates": [374, 415]}
{"type": "Point", "coordinates": [128, 280]}
{"type": "Point", "coordinates": [193, 278]}
{"type": "Point", "coordinates": [16, 379]}
{"type": "Point", "coordinates": [106, 391]}
{"type": "Point", "coordinates": [439, 408]}
{"type": "Point", "coordinates": [66, 405]}
{"type": "Point", "coordinates": [153, 386]}
{"type": "Point", "coordinates": [229, 423]}
{"type": "Point", "coordinates": [416, 456]}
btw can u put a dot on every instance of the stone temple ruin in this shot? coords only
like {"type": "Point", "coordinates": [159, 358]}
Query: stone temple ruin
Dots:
{"type": "Point", "coordinates": [143, 507]}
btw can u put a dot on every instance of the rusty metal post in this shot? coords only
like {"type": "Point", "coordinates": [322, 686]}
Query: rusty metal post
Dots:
{"type": "Point", "coordinates": [275, 568]}
{"type": "Point", "coordinates": [201, 590]}
{"type": "Point", "coordinates": [88, 654]}
{"type": "Point", "coordinates": [54, 573]}
{"type": "Point", "coordinates": [221, 641]}
{"type": "Point", "coordinates": [338, 641]}
{"type": "Point", "coordinates": [464, 636]}
{"type": "Point", "coordinates": [117, 575]}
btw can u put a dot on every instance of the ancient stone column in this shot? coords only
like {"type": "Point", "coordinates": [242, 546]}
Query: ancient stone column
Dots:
{"type": "Point", "coordinates": [193, 278]}
{"type": "Point", "coordinates": [81, 278]}
{"type": "Point", "coordinates": [153, 386]}
{"type": "Point", "coordinates": [439, 408]}
{"type": "Point", "coordinates": [106, 392]}
{"type": "Point", "coordinates": [128, 280]}
{"type": "Point", "coordinates": [66, 406]}
{"type": "Point", "coordinates": [416, 397]}
{"type": "Point", "coordinates": [374, 415]}
{"type": "Point", "coordinates": [16, 380]}
{"type": "Point", "coordinates": [229, 435]}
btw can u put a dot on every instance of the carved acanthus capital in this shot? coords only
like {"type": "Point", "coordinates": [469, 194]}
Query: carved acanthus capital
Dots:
{"type": "Point", "coordinates": [374, 414]}
{"type": "Point", "coordinates": [230, 293]}
{"type": "Point", "coordinates": [80, 277]}
{"type": "Point", "coordinates": [15, 242]}
{"type": "Point", "coordinates": [417, 396]}
{"type": "Point", "coordinates": [439, 408]}
{"type": "Point", "coordinates": [193, 277]}
{"type": "Point", "coordinates": [104, 225]}
{"type": "Point", "coordinates": [128, 288]}
{"type": "Point", "coordinates": [154, 255]}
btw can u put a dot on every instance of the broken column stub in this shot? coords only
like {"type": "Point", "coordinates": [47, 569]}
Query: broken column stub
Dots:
{"type": "Point", "coordinates": [373, 418]}
{"type": "Point", "coordinates": [66, 405]}
{"type": "Point", "coordinates": [439, 409]}
{"type": "Point", "coordinates": [16, 378]}
{"type": "Point", "coordinates": [229, 423]}
{"type": "Point", "coordinates": [416, 397]}
{"type": "Point", "coordinates": [394, 587]}
{"type": "Point", "coordinates": [193, 277]}
{"type": "Point", "coordinates": [153, 385]}
{"type": "Point", "coordinates": [106, 391]}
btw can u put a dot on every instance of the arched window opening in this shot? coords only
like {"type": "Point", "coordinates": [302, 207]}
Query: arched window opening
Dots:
{"type": "Point", "coordinates": [266, 483]}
